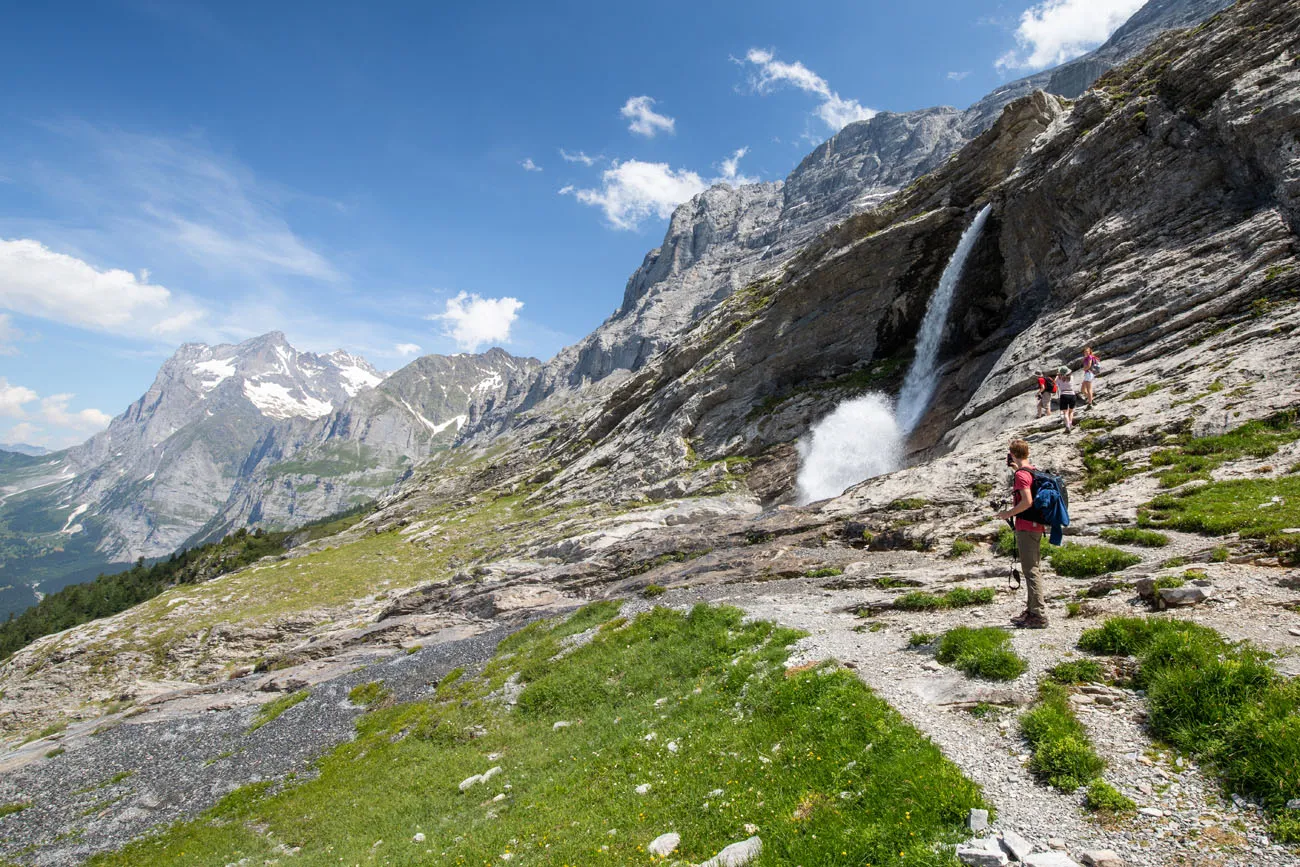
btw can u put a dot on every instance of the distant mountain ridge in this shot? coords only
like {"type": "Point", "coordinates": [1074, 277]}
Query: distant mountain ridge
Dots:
{"type": "Point", "coordinates": [24, 449]}
{"type": "Point", "coordinates": [255, 433]}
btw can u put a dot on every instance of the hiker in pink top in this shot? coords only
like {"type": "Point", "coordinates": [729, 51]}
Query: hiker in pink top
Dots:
{"type": "Point", "coordinates": [1091, 366]}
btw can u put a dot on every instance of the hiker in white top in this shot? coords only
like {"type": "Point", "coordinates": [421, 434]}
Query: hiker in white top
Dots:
{"type": "Point", "coordinates": [1065, 385]}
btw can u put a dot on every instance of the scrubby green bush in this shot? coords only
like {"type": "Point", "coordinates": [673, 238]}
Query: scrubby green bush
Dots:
{"type": "Point", "coordinates": [1062, 755]}
{"type": "Point", "coordinates": [958, 597]}
{"type": "Point", "coordinates": [366, 694]}
{"type": "Point", "coordinates": [982, 652]}
{"type": "Point", "coordinates": [1135, 536]}
{"type": "Point", "coordinates": [920, 639]}
{"type": "Point", "coordinates": [1102, 797]}
{"type": "Point", "coordinates": [1077, 671]}
{"type": "Point", "coordinates": [1084, 561]}
{"type": "Point", "coordinates": [960, 548]}
{"type": "Point", "coordinates": [1217, 700]}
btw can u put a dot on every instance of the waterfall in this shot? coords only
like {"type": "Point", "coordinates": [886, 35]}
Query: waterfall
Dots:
{"type": "Point", "coordinates": [863, 437]}
{"type": "Point", "coordinates": [919, 384]}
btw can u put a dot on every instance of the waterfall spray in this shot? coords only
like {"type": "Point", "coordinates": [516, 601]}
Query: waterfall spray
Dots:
{"type": "Point", "coordinates": [864, 436]}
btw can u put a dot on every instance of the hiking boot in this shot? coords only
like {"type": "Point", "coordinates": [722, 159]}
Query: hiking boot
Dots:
{"type": "Point", "coordinates": [1029, 621]}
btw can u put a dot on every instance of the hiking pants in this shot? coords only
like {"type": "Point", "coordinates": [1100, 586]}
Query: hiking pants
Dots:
{"type": "Point", "coordinates": [1029, 544]}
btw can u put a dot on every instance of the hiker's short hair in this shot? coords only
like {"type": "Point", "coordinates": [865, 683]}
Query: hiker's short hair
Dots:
{"type": "Point", "coordinates": [1020, 449]}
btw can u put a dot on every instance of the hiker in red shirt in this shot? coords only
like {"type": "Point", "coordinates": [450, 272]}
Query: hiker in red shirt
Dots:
{"type": "Point", "coordinates": [1029, 536]}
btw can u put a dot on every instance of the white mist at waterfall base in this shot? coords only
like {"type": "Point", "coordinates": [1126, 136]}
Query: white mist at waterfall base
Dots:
{"type": "Point", "coordinates": [864, 437]}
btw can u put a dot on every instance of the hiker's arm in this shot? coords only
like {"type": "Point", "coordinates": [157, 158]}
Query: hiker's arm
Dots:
{"type": "Point", "coordinates": [1021, 504]}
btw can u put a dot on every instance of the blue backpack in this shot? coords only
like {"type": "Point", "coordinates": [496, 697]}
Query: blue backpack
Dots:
{"type": "Point", "coordinates": [1051, 504]}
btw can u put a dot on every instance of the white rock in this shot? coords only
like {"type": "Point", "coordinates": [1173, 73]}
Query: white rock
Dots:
{"type": "Point", "coordinates": [561, 724]}
{"type": "Point", "coordinates": [1151, 811]}
{"type": "Point", "coordinates": [1293, 804]}
{"type": "Point", "coordinates": [978, 820]}
{"type": "Point", "coordinates": [737, 854]}
{"type": "Point", "coordinates": [651, 736]}
{"type": "Point", "coordinates": [672, 746]}
{"type": "Point", "coordinates": [1050, 859]}
{"type": "Point", "coordinates": [664, 845]}
{"type": "Point", "coordinates": [751, 828]}
{"type": "Point", "coordinates": [643, 788]}
{"type": "Point", "coordinates": [491, 772]}
{"type": "Point", "coordinates": [1100, 858]}
{"type": "Point", "coordinates": [660, 702]}
{"type": "Point", "coordinates": [978, 855]}
{"type": "Point", "coordinates": [716, 793]}
{"type": "Point", "coordinates": [418, 838]}
{"type": "Point", "coordinates": [470, 781]}
{"type": "Point", "coordinates": [1016, 846]}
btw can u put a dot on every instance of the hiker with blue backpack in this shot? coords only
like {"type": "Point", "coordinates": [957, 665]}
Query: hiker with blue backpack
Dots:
{"type": "Point", "coordinates": [1039, 500]}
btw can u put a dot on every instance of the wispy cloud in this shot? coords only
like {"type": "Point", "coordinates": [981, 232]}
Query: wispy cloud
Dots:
{"type": "Point", "coordinates": [644, 119]}
{"type": "Point", "coordinates": [407, 349]}
{"type": "Point", "coordinates": [9, 335]}
{"type": "Point", "coordinates": [578, 157]}
{"type": "Point", "coordinates": [958, 76]}
{"type": "Point", "coordinates": [835, 111]}
{"type": "Point", "coordinates": [1055, 31]}
{"type": "Point", "coordinates": [529, 165]}
{"type": "Point", "coordinates": [633, 191]}
{"type": "Point", "coordinates": [472, 321]}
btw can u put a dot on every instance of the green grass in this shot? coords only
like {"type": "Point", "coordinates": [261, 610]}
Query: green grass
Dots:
{"type": "Point", "coordinates": [271, 711]}
{"type": "Point", "coordinates": [1104, 798]}
{"type": "Point", "coordinates": [1006, 543]}
{"type": "Point", "coordinates": [366, 694]}
{"type": "Point", "coordinates": [1135, 536]}
{"type": "Point", "coordinates": [1085, 561]}
{"type": "Point", "coordinates": [920, 639]}
{"type": "Point", "coordinates": [958, 597]}
{"type": "Point", "coordinates": [982, 652]}
{"type": "Point", "coordinates": [1101, 467]}
{"type": "Point", "coordinates": [14, 807]}
{"type": "Point", "coordinates": [1144, 391]}
{"type": "Point", "coordinates": [1253, 508]}
{"type": "Point", "coordinates": [1196, 457]}
{"type": "Point", "coordinates": [1062, 755]}
{"type": "Point", "coordinates": [651, 591]}
{"type": "Point", "coordinates": [824, 572]}
{"type": "Point", "coordinates": [1220, 555]}
{"type": "Point", "coordinates": [907, 504]}
{"type": "Point", "coordinates": [782, 746]}
{"type": "Point", "coordinates": [1077, 671]}
{"type": "Point", "coordinates": [960, 548]}
{"type": "Point", "coordinates": [1219, 701]}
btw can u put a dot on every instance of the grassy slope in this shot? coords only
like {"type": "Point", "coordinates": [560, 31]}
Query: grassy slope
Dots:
{"type": "Point", "coordinates": [825, 770]}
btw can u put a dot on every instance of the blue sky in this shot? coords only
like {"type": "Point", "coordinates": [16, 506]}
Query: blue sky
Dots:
{"type": "Point", "coordinates": [405, 178]}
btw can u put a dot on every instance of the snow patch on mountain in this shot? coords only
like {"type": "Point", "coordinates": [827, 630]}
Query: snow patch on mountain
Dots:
{"type": "Point", "coordinates": [276, 401]}
{"type": "Point", "coordinates": [69, 526]}
{"type": "Point", "coordinates": [214, 372]}
{"type": "Point", "coordinates": [356, 378]}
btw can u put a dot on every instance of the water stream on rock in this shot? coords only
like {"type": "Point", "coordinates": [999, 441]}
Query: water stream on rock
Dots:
{"type": "Point", "coordinates": [863, 437]}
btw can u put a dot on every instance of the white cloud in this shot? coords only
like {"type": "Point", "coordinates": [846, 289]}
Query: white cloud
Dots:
{"type": "Point", "coordinates": [634, 190]}
{"type": "Point", "coordinates": [54, 411]}
{"type": "Point", "coordinates": [8, 335]}
{"type": "Point", "coordinates": [37, 281]}
{"type": "Point", "coordinates": [835, 111]}
{"type": "Point", "coordinates": [405, 349]}
{"type": "Point", "coordinates": [473, 321]}
{"type": "Point", "coordinates": [579, 157]}
{"type": "Point", "coordinates": [529, 165]}
{"type": "Point", "coordinates": [644, 119]}
{"type": "Point", "coordinates": [730, 168]}
{"type": "Point", "coordinates": [15, 401]}
{"type": "Point", "coordinates": [1055, 31]}
{"type": "Point", "coordinates": [13, 398]}
{"type": "Point", "coordinates": [958, 76]}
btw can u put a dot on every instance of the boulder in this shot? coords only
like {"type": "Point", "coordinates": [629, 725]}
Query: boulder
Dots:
{"type": "Point", "coordinates": [1178, 597]}
{"type": "Point", "coordinates": [1050, 859]}
{"type": "Point", "coordinates": [664, 845]}
{"type": "Point", "coordinates": [1016, 846]}
{"type": "Point", "coordinates": [737, 854]}
{"type": "Point", "coordinates": [978, 820]}
{"type": "Point", "coordinates": [1100, 858]}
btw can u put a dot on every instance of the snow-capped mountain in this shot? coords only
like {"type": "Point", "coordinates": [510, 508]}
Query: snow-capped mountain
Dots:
{"type": "Point", "coordinates": [255, 433]}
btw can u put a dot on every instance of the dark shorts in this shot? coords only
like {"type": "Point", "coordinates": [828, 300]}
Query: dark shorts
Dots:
{"type": "Point", "coordinates": [1068, 401]}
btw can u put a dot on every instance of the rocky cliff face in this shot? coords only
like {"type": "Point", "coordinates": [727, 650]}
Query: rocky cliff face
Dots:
{"type": "Point", "coordinates": [726, 237]}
